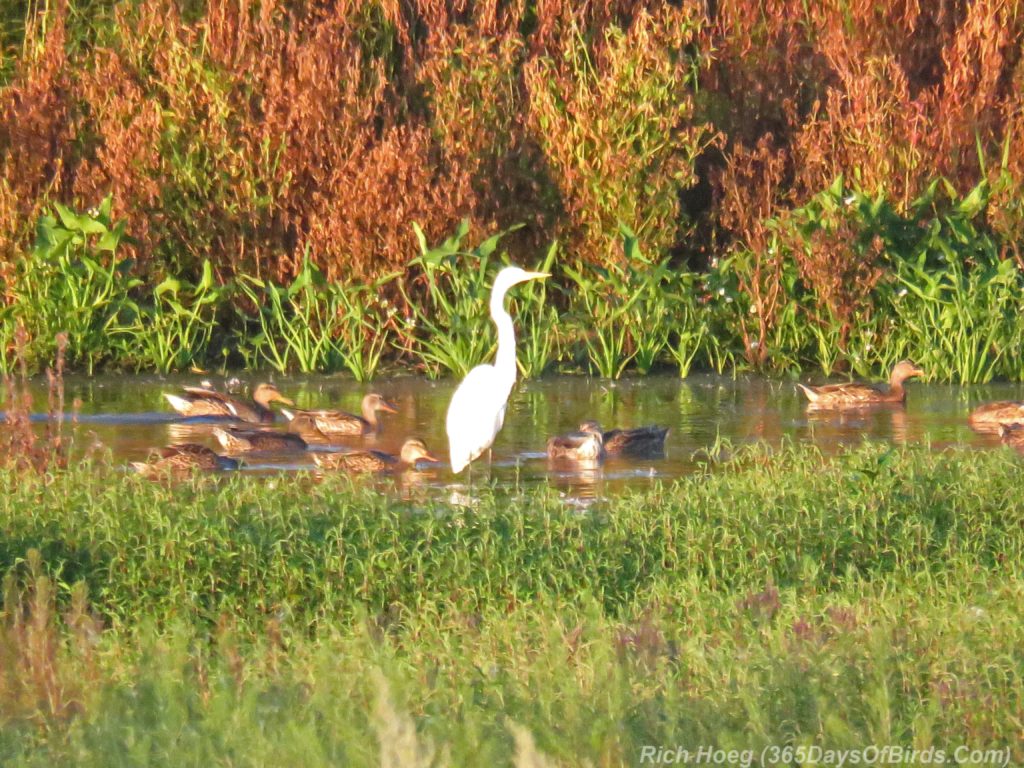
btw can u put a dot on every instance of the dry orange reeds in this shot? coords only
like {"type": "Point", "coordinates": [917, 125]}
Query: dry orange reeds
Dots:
{"type": "Point", "coordinates": [36, 154]}
{"type": "Point", "coordinates": [262, 129]}
{"type": "Point", "coordinates": [752, 186]}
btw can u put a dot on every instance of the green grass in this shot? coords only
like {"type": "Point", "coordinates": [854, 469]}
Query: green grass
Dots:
{"type": "Point", "coordinates": [787, 599]}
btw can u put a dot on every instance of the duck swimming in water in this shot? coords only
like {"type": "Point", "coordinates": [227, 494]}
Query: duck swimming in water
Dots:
{"type": "Point", "coordinates": [637, 442]}
{"type": "Point", "coordinates": [989, 417]}
{"type": "Point", "coordinates": [577, 446]}
{"type": "Point", "coordinates": [858, 395]}
{"type": "Point", "coordinates": [200, 401]}
{"type": "Point", "coordinates": [237, 440]}
{"type": "Point", "coordinates": [1012, 434]}
{"type": "Point", "coordinates": [330, 422]}
{"type": "Point", "coordinates": [376, 461]}
{"type": "Point", "coordinates": [182, 460]}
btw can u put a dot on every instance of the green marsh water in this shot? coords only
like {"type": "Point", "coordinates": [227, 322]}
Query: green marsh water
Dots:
{"type": "Point", "coordinates": [128, 416]}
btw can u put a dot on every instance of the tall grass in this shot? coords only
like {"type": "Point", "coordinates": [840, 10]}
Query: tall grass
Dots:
{"type": "Point", "coordinates": [314, 325]}
{"type": "Point", "coordinates": [177, 331]}
{"type": "Point", "coordinates": [779, 599]}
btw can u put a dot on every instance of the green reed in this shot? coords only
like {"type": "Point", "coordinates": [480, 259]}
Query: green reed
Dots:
{"type": "Point", "coordinates": [945, 297]}
{"type": "Point", "coordinates": [176, 331]}
{"type": "Point", "coordinates": [620, 312]}
{"type": "Point", "coordinates": [313, 325]}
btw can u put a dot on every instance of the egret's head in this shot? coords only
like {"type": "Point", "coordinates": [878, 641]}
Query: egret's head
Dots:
{"type": "Point", "coordinates": [510, 276]}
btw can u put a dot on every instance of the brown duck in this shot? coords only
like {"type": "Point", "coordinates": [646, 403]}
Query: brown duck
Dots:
{"type": "Point", "coordinates": [330, 423]}
{"type": "Point", "coordinates": [576, 446]}
{"type": "Point", "coordinates": [181, 460]}
{"type": "Point", "coordinates": [375, 461]}
{"type": "Point", "coordinates": [858, 395]}
{"type": "Point", "coordinates": [989, 417]}
{"type": "Point", "coordinates": [640, 441]}
{"type": "Point", "coordinates": [1012, 434]}
{"type": "Point", "coordinates": [237, 440]}
{"type": "Point", "coordinates": [199, 401]}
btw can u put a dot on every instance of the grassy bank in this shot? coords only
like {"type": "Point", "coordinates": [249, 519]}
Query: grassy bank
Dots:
{"type": "Point", "coordinates": [873, 598]}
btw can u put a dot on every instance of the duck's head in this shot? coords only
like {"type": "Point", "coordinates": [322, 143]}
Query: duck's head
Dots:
{"type": "Point", "coordinates": [266, 393]}
{"type": "Point", "coordinates": [414, 450]}
{"type": "Point", "coordinates": [904, 370]}
{"type": "Point", "coordinates": [592, 427]}
{"type": "Point", "coordinates": [373, 403]}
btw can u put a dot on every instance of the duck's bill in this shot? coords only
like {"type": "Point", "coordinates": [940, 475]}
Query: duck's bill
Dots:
{"type": "Point", "coordinates": [387, 407]}
{"type": "Point", "coordinates": [428, 457]}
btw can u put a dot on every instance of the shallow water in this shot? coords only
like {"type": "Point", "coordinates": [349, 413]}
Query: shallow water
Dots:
{"type": "Point", "coordinates": [128, 416]}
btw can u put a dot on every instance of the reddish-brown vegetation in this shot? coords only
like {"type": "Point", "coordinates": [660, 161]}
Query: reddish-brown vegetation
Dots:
{"type": "Point", "coordinates": [262, 129]}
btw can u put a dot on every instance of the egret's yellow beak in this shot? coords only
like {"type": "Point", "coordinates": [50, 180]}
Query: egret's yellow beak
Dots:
{"type": "Point", "coordinates": [537, 275]}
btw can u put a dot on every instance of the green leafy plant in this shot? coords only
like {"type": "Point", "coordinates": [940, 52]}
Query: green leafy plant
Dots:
{"type": "Point", "coordinates": [312, 325]}
{"type": "Point", "coordinates": [72, 281]}
{"type": "Point", "coordinates": [622, 312]}
{"type": "Point", "coordinates": [176, 331]}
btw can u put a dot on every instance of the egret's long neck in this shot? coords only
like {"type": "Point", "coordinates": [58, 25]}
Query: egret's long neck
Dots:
{"type": "Point", "coordinates": [505, 361]}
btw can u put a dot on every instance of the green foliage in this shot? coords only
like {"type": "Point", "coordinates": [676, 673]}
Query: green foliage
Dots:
{"type": "Point", "coordinates": [941, 294]}
{"type": "Point", "coordinates": [313, 325]}
{"type": "Point", "coordinates": [945, 297]}
{"type": "Point", "coordinates": [637, 311]}
{"type": "Point", "coordinates": [448, 329]}
{"type": "Point", "coordinates": [73, 281]}
{"type": "Point", "coordinates": [957, 307]}
{"type": "Point", "coordinates": [781, 598]}
{"type": "Point", "coordinates": [177, 330]}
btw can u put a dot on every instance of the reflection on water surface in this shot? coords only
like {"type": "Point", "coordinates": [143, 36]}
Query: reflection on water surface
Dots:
{"type": "Point", "coordinates": [127, 415]}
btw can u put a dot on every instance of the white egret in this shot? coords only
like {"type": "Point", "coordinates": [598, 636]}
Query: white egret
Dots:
{"type": "Point", "coordinates": [477, 409]}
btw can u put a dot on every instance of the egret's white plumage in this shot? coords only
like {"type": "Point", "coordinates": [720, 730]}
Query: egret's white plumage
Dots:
{"type": "Point", "coordinates": [477, 410]}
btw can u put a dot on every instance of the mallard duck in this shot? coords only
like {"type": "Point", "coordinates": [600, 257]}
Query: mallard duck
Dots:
{"type": "Point", "coordinates": [1012, 434]}
{"type": "Point", "coordinates": [329, 422]}
{"type": "Point", "coordinates": [200, 401]}
{"type": "Point", "coordinates": [576, 446]}
{"type": "Point", "coordinates": [183, 459]}
{"type": "Point", "coordinates": [856, 395]}
{"type": "Point", "coordinates": [989, 417]}
{"type": "Point", "coordinates": [375, 461]}
{"type": "Point", "coordinates": [640, 441]}
{"type": "Point", "coordinates": [237, 440]}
